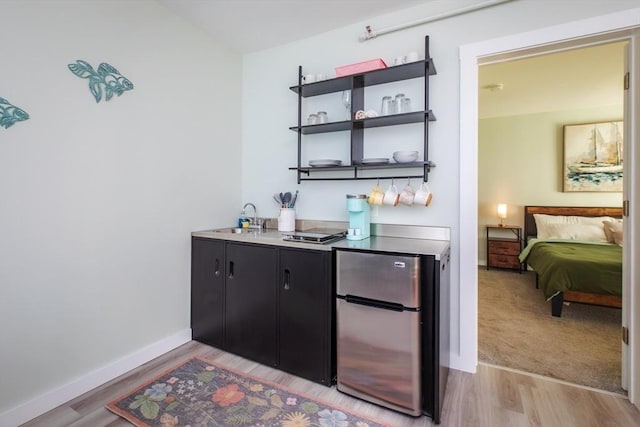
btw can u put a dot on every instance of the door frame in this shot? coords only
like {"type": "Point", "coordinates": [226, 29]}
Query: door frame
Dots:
{"type": "Point", "coordinates": [597, 29]}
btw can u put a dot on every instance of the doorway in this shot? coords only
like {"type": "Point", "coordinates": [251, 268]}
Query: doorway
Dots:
{"type": "Point", "coordinates": [616, 26]}
{"type": "Point", "coordinates": [524, 103]}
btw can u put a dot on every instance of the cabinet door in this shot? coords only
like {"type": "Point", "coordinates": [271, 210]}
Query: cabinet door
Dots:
{"type": "Point", "coordinates": [207, 290]}
{"type": "Point", "coordinates": [250, 305]}
{"type": "Point", "coordinates": [305, 314]}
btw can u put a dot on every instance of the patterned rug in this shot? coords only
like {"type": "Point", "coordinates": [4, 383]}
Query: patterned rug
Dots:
{"type": "Point", "coordinates": [199, 393]}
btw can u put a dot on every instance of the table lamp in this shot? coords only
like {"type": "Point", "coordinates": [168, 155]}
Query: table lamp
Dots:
{"type": "Point", "coordinates": [502, 213]}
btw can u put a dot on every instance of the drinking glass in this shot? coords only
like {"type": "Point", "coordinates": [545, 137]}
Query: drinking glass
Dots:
{"type": "Point", "coordinates": [399, 98]}
{"type": "Point", "coordinates": [405, 107]}
{"type": "Point", "coordinates": [386, 109]}
{"type": "Point", "coordinates": [346, 101]}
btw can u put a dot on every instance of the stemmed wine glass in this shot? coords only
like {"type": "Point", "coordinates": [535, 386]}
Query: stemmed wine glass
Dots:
{"type": "Point", "coordinates": [346, 101]}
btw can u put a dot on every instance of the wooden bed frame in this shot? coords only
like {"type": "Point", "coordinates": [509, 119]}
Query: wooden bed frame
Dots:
{"type": "Point", "coordinates": [571, 296]}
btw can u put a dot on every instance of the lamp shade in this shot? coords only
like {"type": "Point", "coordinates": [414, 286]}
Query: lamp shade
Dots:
{"type": "Point", "coordinates": [502, 210]}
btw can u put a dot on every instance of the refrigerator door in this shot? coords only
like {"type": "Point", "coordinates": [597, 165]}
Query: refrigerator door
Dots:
{"type": "Point", "coordinates": [378, 356]}
{"type": "Point", "coordinates": [384, 277]}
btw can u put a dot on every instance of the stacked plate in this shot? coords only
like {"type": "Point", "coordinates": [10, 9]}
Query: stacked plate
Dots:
{"type": "Point", "coordinates": [324, 163]}
{"type": "Point", "coordinates": [375, 161]}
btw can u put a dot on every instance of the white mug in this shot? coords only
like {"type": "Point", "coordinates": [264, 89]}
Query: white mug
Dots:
{"type": "Point", "coordinates": [309, 78]}
{"type": "Point", "coordinates": [391, 196]}
{"type": "Point", "coordinates": [407, 195]}
{"type": "Point", "coordinates": [423, 195]}
{"type": "Point", "coordinates": [412, 57]}
{"type": "Point", "coordinates": [398, 60]}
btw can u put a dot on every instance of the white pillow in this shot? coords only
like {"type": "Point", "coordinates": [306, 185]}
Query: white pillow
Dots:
{"type": "Point", "coordinates": [569, 219]}
{"type": "Point", "coordinates": [588, 232]}
{"type": "Point", "coordinates": [613, 230]}
{"type": "Point", "coordinates": [608, 229]}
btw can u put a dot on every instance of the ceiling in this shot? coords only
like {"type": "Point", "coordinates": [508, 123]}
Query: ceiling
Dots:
{"type": "Point", "coordinates": [251, 25]}
{"type": "Point", "coordinates": [565, 80]}
{"type": "Point", "coordinates": [586, 77]}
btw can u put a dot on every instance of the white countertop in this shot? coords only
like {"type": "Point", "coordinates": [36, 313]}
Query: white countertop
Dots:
{"type": "Point", "coordinates": [264, 237]}
{"type": "Point", "coordinates": [404, 245]}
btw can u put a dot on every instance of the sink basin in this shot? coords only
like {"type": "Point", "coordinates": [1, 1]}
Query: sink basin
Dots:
{"type": "Point", "coordinates": [231, 230]}
{"type": "Point", "coordinates": [237, 230]}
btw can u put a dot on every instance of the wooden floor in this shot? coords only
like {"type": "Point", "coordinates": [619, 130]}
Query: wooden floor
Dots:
{"type": "Point", "coordinates": [491, 397]}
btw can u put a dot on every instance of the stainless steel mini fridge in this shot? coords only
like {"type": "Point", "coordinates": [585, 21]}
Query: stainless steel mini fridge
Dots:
{"type": "Point", "coordinates": [379, 329]}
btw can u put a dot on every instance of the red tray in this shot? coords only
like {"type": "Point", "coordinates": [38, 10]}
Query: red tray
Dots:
{"type": "Point", "coordinates": [360, 67]}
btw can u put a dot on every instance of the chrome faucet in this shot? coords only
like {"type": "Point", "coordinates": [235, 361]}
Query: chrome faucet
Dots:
{"type": "Point", "coordinates": [254, 222]}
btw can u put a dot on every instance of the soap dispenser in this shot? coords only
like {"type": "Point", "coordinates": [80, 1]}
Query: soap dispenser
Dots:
{"type": "Point", "coordinates": [243, 221]}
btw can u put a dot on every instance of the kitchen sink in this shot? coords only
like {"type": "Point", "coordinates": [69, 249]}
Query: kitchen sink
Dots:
{"type": "Point", "coordinates": [237, 230]}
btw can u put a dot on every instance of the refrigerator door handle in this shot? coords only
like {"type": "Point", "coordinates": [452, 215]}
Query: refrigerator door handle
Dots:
{"type": "Point", "coordinates": [374, 303]}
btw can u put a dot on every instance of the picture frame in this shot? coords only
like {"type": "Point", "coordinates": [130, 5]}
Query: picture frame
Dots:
{"type": "Point", "coordinates": [593, 157]}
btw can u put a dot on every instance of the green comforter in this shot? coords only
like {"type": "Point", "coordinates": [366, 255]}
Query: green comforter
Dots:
{"type": "Point", "coordinates": [575, 266]}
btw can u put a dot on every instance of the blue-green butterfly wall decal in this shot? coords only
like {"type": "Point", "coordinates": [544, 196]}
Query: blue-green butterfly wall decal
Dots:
{"type": "Point", "coordinates": [10, 114]}
{"type": "Point", "coordinates": [106, 79]}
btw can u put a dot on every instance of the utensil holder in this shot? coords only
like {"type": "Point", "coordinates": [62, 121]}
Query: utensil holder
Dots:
{"type": "Point", "coordinates": [287, 220]}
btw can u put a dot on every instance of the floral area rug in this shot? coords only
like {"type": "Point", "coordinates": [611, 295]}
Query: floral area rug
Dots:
{"type": "Point", "coordinates": [199, 393]}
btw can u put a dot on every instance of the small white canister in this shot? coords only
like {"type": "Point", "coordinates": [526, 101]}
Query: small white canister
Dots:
{"type": "Point", "coordinates": [287, 220]}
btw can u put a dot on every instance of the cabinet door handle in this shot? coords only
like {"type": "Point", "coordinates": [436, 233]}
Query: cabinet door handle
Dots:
{"type": "Point", "coordinates": [217, 268]}
{"type": "Point", "coordinates": [287, 277]}
{"type": "Point", "coordinates": [230, 269]}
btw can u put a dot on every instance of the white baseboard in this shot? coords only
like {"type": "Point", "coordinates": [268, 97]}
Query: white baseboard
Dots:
{"type": "Point", "coordinates": [56, 397]}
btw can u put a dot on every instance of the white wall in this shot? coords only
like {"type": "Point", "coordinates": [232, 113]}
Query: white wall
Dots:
{"type": "Point", "coordinates": [520, 164]}
{"type": "Point", "coordinates": [97, 201]}
{"type": "Point", "coordinates": [269, 109]}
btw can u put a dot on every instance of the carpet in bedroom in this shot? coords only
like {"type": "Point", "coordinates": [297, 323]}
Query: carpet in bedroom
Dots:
{"type": "Point", "coordinates": [516, 330]}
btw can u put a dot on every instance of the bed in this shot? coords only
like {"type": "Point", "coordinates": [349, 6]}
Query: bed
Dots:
{"type": "Point", "coordinates": [569, 268]}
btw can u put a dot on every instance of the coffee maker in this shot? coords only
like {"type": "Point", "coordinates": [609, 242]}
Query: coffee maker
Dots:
{"type": "Point", "coordinates": [359, 217]}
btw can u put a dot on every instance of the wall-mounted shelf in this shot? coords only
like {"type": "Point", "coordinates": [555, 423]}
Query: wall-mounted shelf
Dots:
{"type": "Point", "coordinates": [391, 120]}
{"type": "Point", "coordinates": [356, 83]}
{"type": "Point", "coordinates": [396, 73]}
{"type": "Point", "coordinates": [356, 169]}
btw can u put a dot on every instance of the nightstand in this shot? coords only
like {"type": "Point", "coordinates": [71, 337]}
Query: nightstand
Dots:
{"type": "Point", "coordinates": [503, 251]}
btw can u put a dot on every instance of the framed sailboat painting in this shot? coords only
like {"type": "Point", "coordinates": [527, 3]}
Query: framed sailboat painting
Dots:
{"type": "Point", "coordinates": [593, 157]}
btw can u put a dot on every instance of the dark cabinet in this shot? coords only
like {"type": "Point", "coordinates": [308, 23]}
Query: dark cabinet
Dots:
{"type": "Point", "coordinates": [270, 304]}
{"type": "Point", "coordinates": [305, 314]}
{"type": "Point", "coordinates": [207, 290]}
{"type": "Point", "coordinates": [503, 252]}
{"type": "Point", "coordinates": [250, 303]}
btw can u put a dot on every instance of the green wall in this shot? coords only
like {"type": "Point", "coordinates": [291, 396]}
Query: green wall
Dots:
{"type": "Point", "coordinates": [520, 164]}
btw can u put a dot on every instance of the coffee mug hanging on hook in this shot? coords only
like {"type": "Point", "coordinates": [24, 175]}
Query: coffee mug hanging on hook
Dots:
{"type": "Point", "coordinates": [423, 195]}
{"type": "Point", "coordinates": [391, 195]}
{"type": "Point", "coordinates": [407, 194]}
{"type": "Point", "coordinates": [377, 194]}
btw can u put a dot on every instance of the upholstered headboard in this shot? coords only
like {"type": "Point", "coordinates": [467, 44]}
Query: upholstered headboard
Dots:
{"type": "Point", "coordinates": [530, 223]}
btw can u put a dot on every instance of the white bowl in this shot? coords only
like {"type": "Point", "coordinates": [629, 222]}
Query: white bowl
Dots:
{"type": "Point", "coordinates": [405, 156]}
